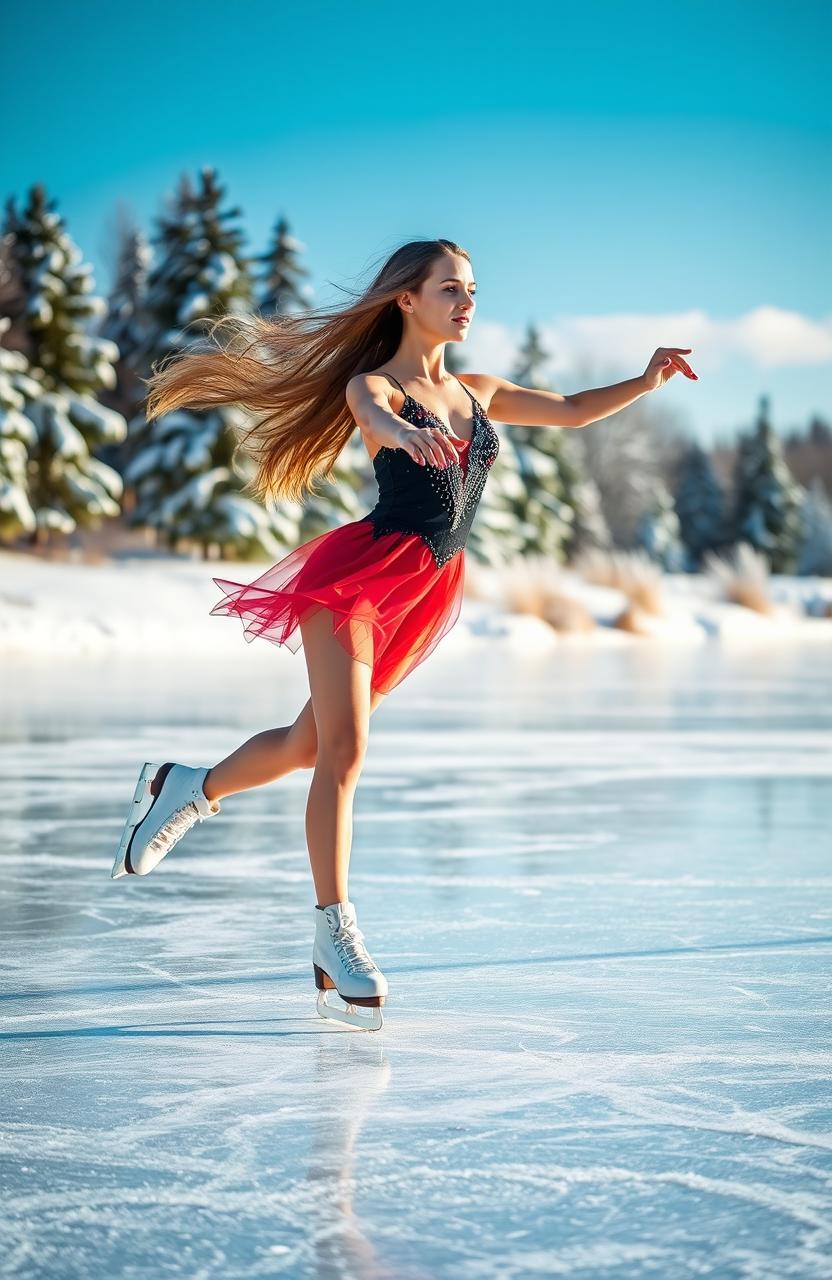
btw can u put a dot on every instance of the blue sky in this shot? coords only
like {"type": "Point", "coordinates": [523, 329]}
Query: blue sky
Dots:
{"type": "Point", "coordinates": [624, 176]}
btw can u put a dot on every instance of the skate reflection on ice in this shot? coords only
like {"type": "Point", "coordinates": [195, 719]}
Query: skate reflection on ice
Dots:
{"type": "Point", "coordinates": [350, 1077]}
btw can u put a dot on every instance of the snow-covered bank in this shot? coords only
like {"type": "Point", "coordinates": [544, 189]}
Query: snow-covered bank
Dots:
{"type": "Point", "coordinates": [160, 605]}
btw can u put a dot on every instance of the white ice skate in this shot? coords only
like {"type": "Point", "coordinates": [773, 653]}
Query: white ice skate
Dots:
{"type": "Point", "coordinates": [342, 964]}
{"type": "Point", "coordinates": [155, 823]}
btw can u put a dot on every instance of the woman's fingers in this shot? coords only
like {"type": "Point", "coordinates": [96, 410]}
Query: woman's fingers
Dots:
{"type": "Point", "coordinates": [450, 443]}
{"type": "Point", "coordinates": [440, 450]}
{"type": "Point", "coordinates": [675, 354]}
{"type": "Point", "coordinates": [430, 446]}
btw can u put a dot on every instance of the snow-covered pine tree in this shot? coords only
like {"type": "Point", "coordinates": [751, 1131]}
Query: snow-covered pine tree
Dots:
{"type": "Point", "coordinates": [124, 325]}
{"type": "Point", "coordinates": [658, 531]}
{"type": "Point", "coordinates": [18, 435]}
{"type": "Point", "coordinates": [815, 554]}
{"type": "Point", "coordinates": [187, 471]}
{"type": "Point", "coordinates": [768, 501]}
{"type": "Point", "coordinates": [17, 431]}
{"type": "Point", "coordinates": [124, 321]}
{"type": "Point", "coordinates": [700, 506]}
{"type": "Point", "coordinates": [590, 529]}
{"type": "Point", "coordinates": [808, 452]}
{"type": "Point", "coordinates": [15, 335]}
{"type": "Point", "coordinates": [281, 289]}
{"type": "Point", "coordinates": [67, 486]}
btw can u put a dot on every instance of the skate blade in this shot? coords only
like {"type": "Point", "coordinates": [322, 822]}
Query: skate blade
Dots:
{"type": "Point", "coordinates": [142, 800]}
{"type": "Point", "coordinates": [362, 1017]}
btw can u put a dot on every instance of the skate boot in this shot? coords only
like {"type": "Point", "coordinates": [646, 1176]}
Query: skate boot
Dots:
{"type": "Point", "coordinates": [341, 963]}
{"type": "Point", "coordinates": [156, 822]}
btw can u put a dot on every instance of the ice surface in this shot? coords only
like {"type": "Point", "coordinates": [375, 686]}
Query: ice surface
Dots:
{"type": "Point", "coordinates": [598, 882]}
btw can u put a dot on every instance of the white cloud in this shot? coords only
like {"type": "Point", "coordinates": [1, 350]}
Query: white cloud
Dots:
{"type": "Point", "coordinates": [766, 337]}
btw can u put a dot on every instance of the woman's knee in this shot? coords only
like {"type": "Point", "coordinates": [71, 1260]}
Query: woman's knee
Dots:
{"type": "Point", "coordinates": [306, 733]}
{"type": "Point", "coordinates": [342, 751]}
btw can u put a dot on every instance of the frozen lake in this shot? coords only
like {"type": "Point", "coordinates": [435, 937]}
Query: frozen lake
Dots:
{"type": "Point", "coordinates": [598, 882]}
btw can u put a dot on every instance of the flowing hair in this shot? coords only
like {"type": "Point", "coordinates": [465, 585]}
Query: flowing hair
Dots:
{"type": "Point", "coordinates": [291, 371]}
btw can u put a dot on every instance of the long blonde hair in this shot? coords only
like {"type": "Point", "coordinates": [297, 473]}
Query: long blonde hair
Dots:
{"type": "Point", "coordinates": [292, 371]}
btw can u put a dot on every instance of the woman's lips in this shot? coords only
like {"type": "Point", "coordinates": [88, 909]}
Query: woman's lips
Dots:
{"type": "Point", "coordinates": [461, 320]}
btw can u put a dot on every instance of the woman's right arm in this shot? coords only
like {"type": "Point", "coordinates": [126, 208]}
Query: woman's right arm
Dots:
{"type": "Point", "coordinates": [368, 397]}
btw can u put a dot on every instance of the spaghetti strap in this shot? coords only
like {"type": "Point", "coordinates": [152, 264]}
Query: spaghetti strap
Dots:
{"type": "Point", "coordinates": [462, 384]}
{"type": "Point", "coordinates": [401, 388]}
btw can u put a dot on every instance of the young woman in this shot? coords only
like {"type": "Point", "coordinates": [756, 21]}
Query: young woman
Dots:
{"type": "Point", "coordinates": [368, 600]}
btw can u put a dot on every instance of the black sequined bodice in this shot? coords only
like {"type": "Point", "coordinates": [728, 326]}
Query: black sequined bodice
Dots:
{"type": "Point", "coordinates": [437, 503]}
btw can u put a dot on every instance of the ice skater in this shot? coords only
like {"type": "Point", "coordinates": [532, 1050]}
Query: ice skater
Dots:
{"type": "Point", "coordinates": [370, 599]}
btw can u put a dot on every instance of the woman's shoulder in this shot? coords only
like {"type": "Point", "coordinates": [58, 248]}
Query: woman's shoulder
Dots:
{"type": "Point", "coordinates": [367, 384]}
{"type": "Point", "coordinates": [477, 381]}
{"type": "Point", "coordinates": [483, 386]}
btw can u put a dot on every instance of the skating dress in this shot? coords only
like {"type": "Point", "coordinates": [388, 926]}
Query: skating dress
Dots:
{"type": "Point", "coordinates": [394, 578]}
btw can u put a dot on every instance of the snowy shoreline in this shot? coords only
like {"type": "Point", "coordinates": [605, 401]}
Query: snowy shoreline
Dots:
{"type": "Point", "coordinates": [160, 605]}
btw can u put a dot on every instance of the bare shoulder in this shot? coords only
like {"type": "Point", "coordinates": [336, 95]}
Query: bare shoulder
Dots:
{"type": "Point", "coordinates": [483, 385]}
{"type": "Point", "coordinates": [371, 387]}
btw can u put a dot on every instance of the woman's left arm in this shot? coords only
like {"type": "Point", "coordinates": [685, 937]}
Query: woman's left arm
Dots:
{"type": "Point", "coordinates": [527, 407]}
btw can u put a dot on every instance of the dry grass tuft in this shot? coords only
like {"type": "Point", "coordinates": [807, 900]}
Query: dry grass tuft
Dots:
{"type": "Point", "coordinates": [743, 580]}
{"type": "Point", "coordinates": [533, 584]}
{"type": "Point", "coordinates": [632, 572]}
{"type": "Point", "coordinates": [632, 619]}
{"type": "Point", "coordinates": [566, 614]}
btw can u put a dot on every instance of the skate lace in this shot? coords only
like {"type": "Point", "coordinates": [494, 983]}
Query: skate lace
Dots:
{"type": "Point", "coordinates": [176, 826]}
{"type": "Point", "coordinates": [349, 941]}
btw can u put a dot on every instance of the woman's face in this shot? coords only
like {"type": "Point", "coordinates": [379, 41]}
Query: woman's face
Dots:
{"type": "Point", "coordinates": [446, 300]}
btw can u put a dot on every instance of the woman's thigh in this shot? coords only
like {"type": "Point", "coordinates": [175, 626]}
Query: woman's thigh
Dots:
{"type": "Point", "coordinates": [341, 699]}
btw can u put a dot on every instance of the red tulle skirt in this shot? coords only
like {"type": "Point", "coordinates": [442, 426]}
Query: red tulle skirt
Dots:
{"type": "Point", "coordinates": [390, 603]}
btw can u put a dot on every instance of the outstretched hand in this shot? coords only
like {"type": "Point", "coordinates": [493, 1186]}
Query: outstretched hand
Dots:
{"type": "Point", "coordinates": [664, 363]}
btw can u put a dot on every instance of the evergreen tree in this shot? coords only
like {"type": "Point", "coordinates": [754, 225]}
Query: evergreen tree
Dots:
{"type": "Point", "coordinates": [18, 435]}
{"type": "Point", "coordinates": [768, 501]}
{"type": "Point", "coordinates": [815, 555]}
{"type": "Point", "coordinates": [124, 325]}
{"type": "Point", "coordinates": [69, 367]}
{"type": "Point", "coordinates": [658, 532]}
{"type": "Point", "coordinates": [124, 321]}
{"type": "Point", "coordinates": [700, 506]}
{"type": "Point", "coordinates": [12, 299]}
{"type": "Point", "coordinates": [282, 290]}
{"type": "Point", "coordinates": [187, 470]}
{"type": "Point", "coordinates": [17, 431]}
{"type": "Point", "coordinates": [808, 452]}
{"type": "Point", "coordinates": [590, 529]}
